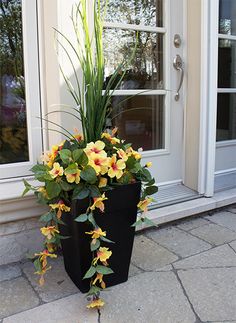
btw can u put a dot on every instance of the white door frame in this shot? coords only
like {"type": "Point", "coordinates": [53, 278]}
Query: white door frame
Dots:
{"type": "Point", "coordinates": [209, 74]}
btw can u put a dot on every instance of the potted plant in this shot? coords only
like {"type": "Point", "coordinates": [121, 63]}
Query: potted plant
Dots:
{"type": "Point", "coordinates": [93, 183]}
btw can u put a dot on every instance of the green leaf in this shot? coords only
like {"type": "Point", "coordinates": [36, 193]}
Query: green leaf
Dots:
{"type": "Point", "coordinates": [95, 246]}
{"type": "Point", "coordinates": [82, 218]}
{"type": "Point", "coordinates": [94, 290]}
{"type": "Point", "coordinates": [90, 272]}
{"type": "Point", "coordinates": [104, 270]}
{"type": "Point", "coordinates": [106, 240]}
{"type": "Point", "coordinates": [82, 194]}
{"type": "Point", "coordinates": [71, 169]}
{"type": "Point", "coordinates": [39, 168]}
{"type": "Point", "coordinates": [83, 160]}
{"type": "Point", "coordinates": [37, 265]}
{"type": "Point", "coordinates": [88, 174]}
{"type": "Point", "coordinates": [65, 155]}
{"type": "Point", "coordinates": [152, 182]}
{"type": "Point", "coordinates": [137, 167]}
{"type": "Point", "coordinates": [94, 191]}
{"type": "Point", "coordinates": [138, 222]}
{"type": "Point", "coordinates": [150, 190]}
{"type": "Point", "coordinates": [47, 217]}
{"type": "Point", "coordinates": [91, 219]}
{"type": "Point", "coordinates": [77, 153]}
{"type": "Point", "coordinates": [77, 190]}
{"type": "Point", "coordinates": [28, 187]}
{"type": "Point", "coordinates": [53, 189]}
{"type": "Point", "coordinates": [149, 222]}
{"type": "Point", "coordinates": [65, 186]}
{"type": "Point", "coordinates": [131, 162]}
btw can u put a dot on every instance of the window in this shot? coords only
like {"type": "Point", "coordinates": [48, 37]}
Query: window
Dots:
{"type": "Point", "coordinates": [129, 24]}
{"type": "Point", "coordinates": [226, 107]}
{"type": "Point", "coordinates": [19, 95]}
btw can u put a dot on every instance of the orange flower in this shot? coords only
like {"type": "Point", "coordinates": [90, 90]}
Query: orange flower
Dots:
{"type": "Point", "coordinates": [131, 152]}
{"type": "Point", "coordinates": [113, 140]}
{"type": "Point", "coordinates": [116, 167]}
{"type": "Point", "coordinates": [96, 303]}
{"type": "Point", "coordinates": [99, 278]}
{"type": "Point", "coordinates": [49, 232]}
{"type": "Point", "coordinates": [43, 260]}
{"type": "Point", "coordinates": [98, 202]}
{"type": "Point", "coordinates": [102, 254]}
{"type": "Point", "coordinates": [56, 171]}
{"type": "Point", "coordinates": [61, 207]}
{"type": "Point", "coordinates": [102, 182]}
{"type": "Point", "coordinates": [143, 205]}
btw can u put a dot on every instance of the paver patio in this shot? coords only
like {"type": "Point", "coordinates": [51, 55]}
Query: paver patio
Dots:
{"type": "Point", "coordinates": [182, 272]}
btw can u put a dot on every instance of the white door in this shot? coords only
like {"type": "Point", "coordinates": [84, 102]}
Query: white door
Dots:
{"type": "Point", "coordinates": [153, 120]}
{"type": "Point", "coordinates": [226, 99]}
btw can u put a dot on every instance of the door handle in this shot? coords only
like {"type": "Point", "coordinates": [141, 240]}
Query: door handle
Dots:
{"type": "Point", "coordinates": [178, 65]}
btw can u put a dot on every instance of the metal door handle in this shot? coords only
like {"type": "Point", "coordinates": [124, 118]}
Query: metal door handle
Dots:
{"type": "Point", "coordinates": [178, 65]}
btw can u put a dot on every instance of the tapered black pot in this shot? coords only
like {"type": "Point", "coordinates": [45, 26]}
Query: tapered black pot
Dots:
{"type": "Point", "coordinates": [120, 213]}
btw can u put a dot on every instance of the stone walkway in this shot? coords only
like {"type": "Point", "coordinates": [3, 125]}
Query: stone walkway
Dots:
{"type": "Point", "coordinates": [183, 272]}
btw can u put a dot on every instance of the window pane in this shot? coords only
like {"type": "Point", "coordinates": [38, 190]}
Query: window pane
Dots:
{"type": "Point", "coordinates": [137, 12]}
{"type": "Point", "coordinates": [140, 120]}
{"type": "Point", "coordinates": [226, 116]}
{"type": "Point", "coordinates": [146, 69]}
{"type": "Point", "coordinates": [13, 130]}
{"type": "Point", "coordinates": [227, 17]}
{"type": "Point", "coordinates": [227, 64]}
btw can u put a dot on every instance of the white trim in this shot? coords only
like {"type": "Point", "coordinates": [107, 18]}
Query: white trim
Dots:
{"type": "Point", "coordinates": [211, 107]}
{"type": "Point", "coordinates": [226, 90]}
{"type": "Point", "coordinates": [226, 171]}
{"type": "Point", "coordinates": [139, 92]}
{"type": "Point", "coordinates": [225, 143]}
{"type": "Point", "coordinates": [32, 89]}
{"type": "Point", "coordinates": [225, 36]}
{"type": "Point", "coordinates": [203, 96]}
{"type": "Point", "coordinates": [155, 153]}
{"type": "Point", "coordinates": [144, 28]}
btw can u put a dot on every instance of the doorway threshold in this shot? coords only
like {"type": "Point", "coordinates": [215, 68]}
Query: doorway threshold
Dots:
{"type": "Point", "coordinates": [172, 194]}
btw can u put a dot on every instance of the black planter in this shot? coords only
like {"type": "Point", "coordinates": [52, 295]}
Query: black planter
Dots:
{"type": "Point", "coordinates": [120, 213]}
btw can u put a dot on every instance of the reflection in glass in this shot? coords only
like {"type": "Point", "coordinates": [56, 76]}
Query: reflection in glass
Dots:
{"type": "Point", "coordinates": [227, 64]}
{"type": "Point", "coordinates": [140, 120]}
{"type": "Point", "coordinates": [13, 130]}
{"type": "Point", "coordinates": [146, 68]}
{"type": "Point", "coordinates": [226, 116]}
{"type": "Point", "coordinates": [227, 17]}
{"type": "Point", "coordinates": [141, 12]}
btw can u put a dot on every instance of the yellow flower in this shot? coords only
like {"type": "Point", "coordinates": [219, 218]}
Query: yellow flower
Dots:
{"type": "Point", "coordinates": [96, 303]}
{"type": "Point", "coordinates": [43, 191]}
{"type": "Point", "coordinates": [113, 140]}
{"type": "Point", "coordinates": [98, 202]}
{"type": "Point", "coordinates": [97, 233]}
{"type": "Point", "coordinates": [78, 136]}
{"type": "Point", "coordinates": [142, 205]}
{"type": "Point", "coordinates": [56, 171]}
{"type": "Point", "coordinates": [116, 167]}
{"type": "Point", "coordinates": [122, 154]}
{"type": "Point", "coordinates": [97, 148]}
{"type": "Point", "coordinates": [102, 182]}
{"type": "Point", "coordinates": [98, 162]}
{"type": "Point", "coordinates": [99, 278]}
{"type": "Point", "coordinates": [49, 232]}
{"type": "Point", "coordinates": [131, 152]}
{"type": "Point", "coordinates": [149, 164]}
{"type": "Point", "coordinates": [102, 254]}
{"type": "Point", "coordinates": [51, 247]}
{"type": "Point", "coordinates": [71, 178]}
{"type": "Point", "coordinates": [61, 207]}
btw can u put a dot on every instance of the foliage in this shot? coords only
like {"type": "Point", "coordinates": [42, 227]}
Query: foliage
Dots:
{"type": "Point", "coordinates": [77, 170]}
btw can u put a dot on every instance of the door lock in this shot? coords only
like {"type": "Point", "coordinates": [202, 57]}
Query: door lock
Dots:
{"type": "Point", "coordinates": [178, 65]}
